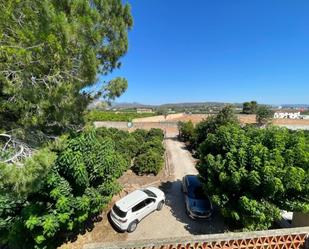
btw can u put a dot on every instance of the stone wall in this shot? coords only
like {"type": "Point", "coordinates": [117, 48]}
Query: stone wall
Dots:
{"type": "Point", "coordinates": [136, 125]}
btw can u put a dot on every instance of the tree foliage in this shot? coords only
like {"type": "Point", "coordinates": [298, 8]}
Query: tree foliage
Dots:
{"type": "Point", "coordinates": [225, 116]}
{"type": "Point", "coordinates": [149, 159]}
{"type": "Point", "coordinates": [58, 190]}
{"type": "Point", "coordinates": [250, 107]}
{"type": "Point", "coordinates": [252, 173]}
{"type": "Point", "coordinates": [186, 131]}
{"type": "Point", "coordinates": [150, 162]}
{"type": "Point", "coordinates": [263, 115]}
{"type": "Point", "coordinates": [50, 51]}
{"type": "Point", "coordinates": [138, 148]}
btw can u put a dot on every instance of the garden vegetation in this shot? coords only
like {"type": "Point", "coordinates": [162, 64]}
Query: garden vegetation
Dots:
{"type": "Point", "coordinates": [250, 173]}
{"type": "Point", "coordinates": [96, 115]}
{"type": "Point", "coordinates": [69, 182]}
{"type": "Point", "coordinates": [51, 53]}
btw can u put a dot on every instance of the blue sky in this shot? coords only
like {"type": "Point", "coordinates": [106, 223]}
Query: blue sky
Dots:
{"type": "Point", "coordinates": [217, 50]}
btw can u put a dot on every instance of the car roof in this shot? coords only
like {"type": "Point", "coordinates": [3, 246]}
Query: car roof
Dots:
{"type": "Point", "coordinates": [193, 180]}
{"type": "Point", "coordinates": [131, 199]}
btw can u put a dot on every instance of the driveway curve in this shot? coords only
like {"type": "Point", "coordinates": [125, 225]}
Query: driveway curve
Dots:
{"type": "Point", "coordinates": [172, 220]}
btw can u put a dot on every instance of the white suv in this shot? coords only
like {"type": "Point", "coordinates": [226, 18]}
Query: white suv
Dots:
{"type": "Point", "coordinates": [130, 210]}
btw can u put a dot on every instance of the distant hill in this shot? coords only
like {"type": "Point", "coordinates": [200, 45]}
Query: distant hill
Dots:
{"type": "Point", "coordinates": [125, 105]}
{"type": "Point", "coordinates": [185, 105]}
{"type": "Point", "coordinates": [295, 106]}
{"type": "Point", "coordinates": [169, 105]}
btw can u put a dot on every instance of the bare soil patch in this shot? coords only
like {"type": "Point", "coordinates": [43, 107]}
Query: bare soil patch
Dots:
{"type": "Point", "coordinates": [102, 231]}
{"type": "Point", "coordinates": [196, 118]}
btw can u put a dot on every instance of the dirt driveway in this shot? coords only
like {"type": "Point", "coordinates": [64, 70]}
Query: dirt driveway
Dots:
{"type": "Point", "coordinates": [172, 220]}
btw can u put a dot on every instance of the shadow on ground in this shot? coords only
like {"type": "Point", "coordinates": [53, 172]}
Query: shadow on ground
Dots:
{"type": "Point", "coordinates": [175, 200]}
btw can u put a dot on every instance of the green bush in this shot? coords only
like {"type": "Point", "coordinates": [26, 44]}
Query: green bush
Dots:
{"type": "Point", "coordinates": [253, 173]}
{"type": "Point", "coordinates": [59, 194]}
{"type": "Point", "coordinates": [73, 179]}
{"type": "Point", "coordinates": [150, 150]}
{"type": "Point", "coordinates": [150, 162]}
{"type": "Point", "coordinates": [140, 135]}
{"type": "Point", "coordinates": [125, 142]}
{"type": "Point", "coordinates": [155, 132]}
{"type": "Point", "coordinates": [187, 134]}
{"type": "Point", "coordinates": [155, 144]}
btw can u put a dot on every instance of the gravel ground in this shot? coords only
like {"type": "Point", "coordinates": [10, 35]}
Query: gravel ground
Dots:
{"type": "Point", "coordinates": [172, 220]}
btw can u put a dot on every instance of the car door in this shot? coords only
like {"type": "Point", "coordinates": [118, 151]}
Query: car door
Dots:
{"type": "Point", "coordinates": [139, 210]}
{"type": "Point", "coordinates": [150, 205]}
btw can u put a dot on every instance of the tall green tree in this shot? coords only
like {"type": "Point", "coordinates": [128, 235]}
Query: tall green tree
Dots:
{"type": "Point", "coordinates": [251, 173]}
{"type": "Point", "coordinates": [225, 116]}
{"type": "Point", "coordinates": [186, 131]}
{"type": "Point", "coordinates": [250, 107]}
{"type": "Point", "coordinates": [264, 114]}
{"type": "Point", "coordinates": [50, 51]}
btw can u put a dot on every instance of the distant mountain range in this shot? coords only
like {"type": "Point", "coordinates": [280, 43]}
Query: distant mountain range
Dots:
{"type": "Point", "coordinates": [168, 105]}
{"type": "Point", "coordinates": [128, 105]}
{"type": "Point", "coordinates": [295, 105]}
{"type": "Point", "coordinates": [131, 105]}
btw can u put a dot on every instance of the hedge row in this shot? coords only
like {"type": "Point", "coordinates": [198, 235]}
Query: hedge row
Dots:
{"type": "Point", "coordinates": [96, 115]}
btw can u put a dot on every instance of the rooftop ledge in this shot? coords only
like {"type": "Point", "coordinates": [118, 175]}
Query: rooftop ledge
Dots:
{"type": "Point", "coordinates": [299, 234]}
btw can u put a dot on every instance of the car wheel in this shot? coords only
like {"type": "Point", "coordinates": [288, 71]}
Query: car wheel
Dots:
{"type": "Point", "coordinates": [132, 226]}
{"type": "Point", "coordinates": [160, 205]}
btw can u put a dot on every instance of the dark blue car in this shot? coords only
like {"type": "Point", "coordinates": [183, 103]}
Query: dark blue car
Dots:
{"type": "Point", "coordinates": [198, 204]}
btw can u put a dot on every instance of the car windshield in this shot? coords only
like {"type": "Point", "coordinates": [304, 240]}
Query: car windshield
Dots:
{"type": "Point", "coordinates": [196, 193]}
{"type": "Point", "coordinates": [149, 193]}
{"type": "Point", "coordinates": [119, 212]}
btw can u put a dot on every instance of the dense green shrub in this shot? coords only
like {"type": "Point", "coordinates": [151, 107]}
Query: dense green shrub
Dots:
{"type": "Point", "coordinates": [154, 144]}
{"type": "Point", "coordinates": [133, 144]}
{"type": "Point", "coordinates": [150, 149]}
{"type": "Point", "coordinates": [187, 134]}
{"type": "Point", "coordinates": [225, 116]}
{"type": "Point", "coordinates": [253, 173]}
{"type": "Point", "coordinates": [125, 142]}
{"type": "Point", "coordinates": [96, 115]}
{"type": "Point", "coordinates": [62, 186]}
{"type": "Point", "coordinates": [140, 135]}
{"type": "Point", "coordinates": [67, 192]}
{"type": "Point", "coordinates": [150, 162]}
{"type": "Point", "coordinates": [155, 132]}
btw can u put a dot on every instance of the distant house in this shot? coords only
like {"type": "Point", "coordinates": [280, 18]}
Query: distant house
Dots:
{"type": "Point", "coordinates": [287, 114]}
{"type": "Point", "coordinates": [144, 110]}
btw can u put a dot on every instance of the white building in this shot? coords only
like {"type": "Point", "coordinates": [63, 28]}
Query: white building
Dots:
{"type": "Point", "coordinates": [289, 114]}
